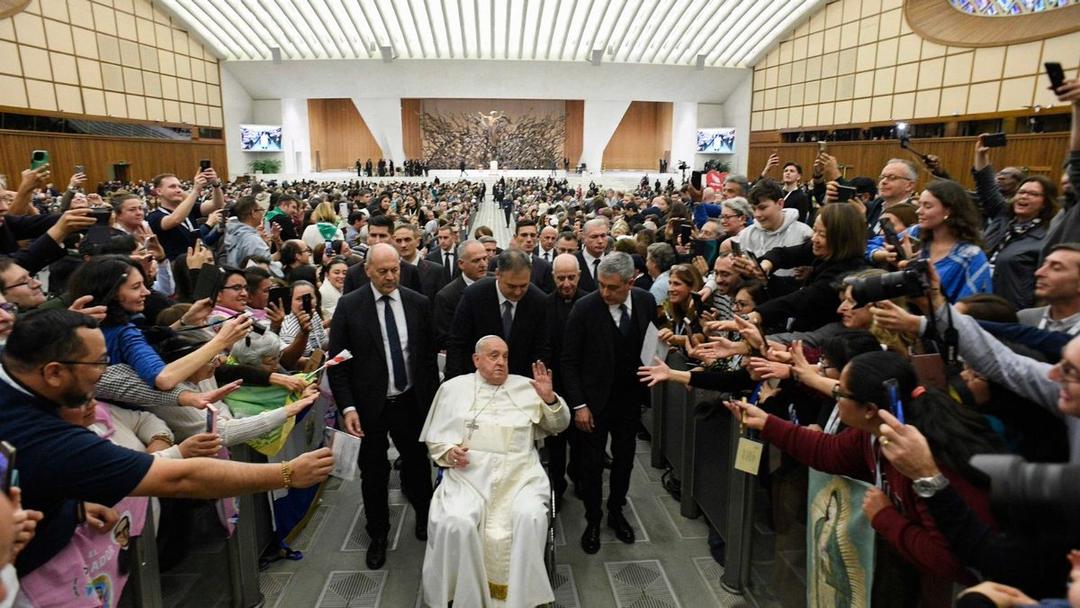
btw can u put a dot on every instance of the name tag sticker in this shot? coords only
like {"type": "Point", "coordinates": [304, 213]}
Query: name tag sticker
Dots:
{"type": "Point", "coordinates": [748, 456]}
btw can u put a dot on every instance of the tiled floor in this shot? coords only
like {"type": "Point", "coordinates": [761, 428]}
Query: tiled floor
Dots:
{"type": "Point", "coordinates": [668, 566]}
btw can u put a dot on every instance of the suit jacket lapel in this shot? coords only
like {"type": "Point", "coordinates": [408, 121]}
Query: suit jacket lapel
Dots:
{"type": "Point", "coordinates": [376, 332]}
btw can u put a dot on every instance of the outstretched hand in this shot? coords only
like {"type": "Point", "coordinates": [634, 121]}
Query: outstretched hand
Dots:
{"type": "Point", "coordinates": [541, 382]}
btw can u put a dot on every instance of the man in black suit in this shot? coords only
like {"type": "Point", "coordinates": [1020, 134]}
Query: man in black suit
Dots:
{"type": "Point", "coordinates": [446, 252]}
{"type": "Point", "coordinates": [473, 260]}
{"type": "Point", "coordinates": [386, 387]}
{"type": "Point", "coordinates": [600, 357]}
{"type": "Point", "coordinates": [407, 241]}
{"type": "Point", "coordinates": [559, 303]}
{"type": "Point", "coordinates": [508, 209]}
{"type": "Point", "coordinates": [379, 231]}
{"type": "Point", "coordinates": [595, 237]}
{"type": "Point", "coordinates": [508, 306]}
{"type": "Point", "coordinates": [525, 236]}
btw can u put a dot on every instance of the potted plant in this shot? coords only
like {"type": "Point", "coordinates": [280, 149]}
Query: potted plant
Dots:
{"type": "Point", "coordinates": [265, 165]}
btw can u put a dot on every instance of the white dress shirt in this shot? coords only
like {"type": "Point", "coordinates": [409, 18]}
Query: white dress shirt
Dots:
{"type": "Point", "coordinates": [403, 336]}
{"type": "Point", "coordinates": [616, 314]}
{"type": "Point", "coordinates": [589, 262]}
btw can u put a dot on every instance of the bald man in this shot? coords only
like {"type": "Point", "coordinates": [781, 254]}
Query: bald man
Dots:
{"type": "Point", "coordinates": [567, 273]}
{"type": "Point", "coordinates": [386, 388]}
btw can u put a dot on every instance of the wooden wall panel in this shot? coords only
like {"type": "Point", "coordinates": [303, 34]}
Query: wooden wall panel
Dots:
{"type": "Point", "coordinates": [575, 129]}
{"type": "Point", "coordinates": [146, 157]}
{"type": "Point", "coordinates": [1041, 153]}
{"type": "Point", "coordinates": [663, 133]}
{"type": "Point", "coordinates": [339, 135]}
{"type": "Point", "coordinates": [637, 143]}
{"type": "Point", "coordinates": [410, 128]}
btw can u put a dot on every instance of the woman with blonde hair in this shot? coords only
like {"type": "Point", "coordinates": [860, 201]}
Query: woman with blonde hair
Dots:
{"type": "Point", "coordinates": [323, 227]}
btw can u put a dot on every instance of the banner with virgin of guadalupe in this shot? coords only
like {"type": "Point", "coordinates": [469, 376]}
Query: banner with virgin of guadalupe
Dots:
{"type": "Point", "coordinates": [839, 543]}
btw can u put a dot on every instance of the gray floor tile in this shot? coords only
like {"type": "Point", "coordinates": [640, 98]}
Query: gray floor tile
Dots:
{"type": "Point", "coordinates": [687, 529]}
{"type": "Point", "coordinates": [640, 583]}
{"type": "Point", "coordinates": [711, 572]}
{"type": "Point", "coordinates": [358, 540]}
{"type": "Point", "coordinates": [310, 534]}
{"type": "Point", "coordinates": [352, 589]}
{"type": "Point", "coordinates": [273, 586]}
{"type": "Point", "coordinates": [566, 594]}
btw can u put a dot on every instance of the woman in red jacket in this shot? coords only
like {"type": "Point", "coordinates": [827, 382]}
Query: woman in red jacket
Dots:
{"type": "Point", "coordinates": [894, 507]}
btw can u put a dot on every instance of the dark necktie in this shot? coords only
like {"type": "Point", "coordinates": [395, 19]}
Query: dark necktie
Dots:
{"type": "Point", "coordinates": [546, 258]}
{"type": "Point", "coordinates": [449, 268]}
{"type": "Point", "coordinates": [397, 357]}
{"type": "Point", "coordinates": [507, 318]}
{"type": "Point", "coordinates": [595, 267]}
{"type": "Point", "coordinates": [624, 320]}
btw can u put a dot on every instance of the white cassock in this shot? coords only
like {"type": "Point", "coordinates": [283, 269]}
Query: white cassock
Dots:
{"type": "Point", "coordinates": [488, 521]}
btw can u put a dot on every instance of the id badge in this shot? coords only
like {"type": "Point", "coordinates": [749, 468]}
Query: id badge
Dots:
{"type": "Point", "coordinates": [748, 456]}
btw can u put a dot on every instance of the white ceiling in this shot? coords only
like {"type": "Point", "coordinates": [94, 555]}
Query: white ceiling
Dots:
{"type": "Point", "coordinates": [728, 33]}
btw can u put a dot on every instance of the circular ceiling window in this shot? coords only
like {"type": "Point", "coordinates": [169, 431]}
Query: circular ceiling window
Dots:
{"type": "Point", "coordinates": [973, 23]}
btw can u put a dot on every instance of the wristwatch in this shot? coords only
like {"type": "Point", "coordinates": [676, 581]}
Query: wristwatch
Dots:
{"type": "Point", "coordinates": [925, 487]}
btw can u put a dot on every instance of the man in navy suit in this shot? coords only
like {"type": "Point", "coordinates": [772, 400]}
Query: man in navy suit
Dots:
{"type": "Point", "coordinates": [600, 357]}
{"type": "Point", "coordinates": [472, 261]}
{"type": "Point", "coordinates": [386, 388]}
{"type": "Point", "coordinates": [508, 306]}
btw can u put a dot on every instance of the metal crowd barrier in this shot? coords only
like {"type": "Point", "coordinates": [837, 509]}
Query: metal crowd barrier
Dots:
{"type": "Point", "coordinates": [701, 453]}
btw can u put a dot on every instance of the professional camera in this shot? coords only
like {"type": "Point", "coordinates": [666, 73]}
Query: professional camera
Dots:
{"type": "Point", "coordinates": [1032, 493]}
{"type": "Point", "coordinates": [912, 281]}
{"type": "Point", "coordinates": [683, 166]}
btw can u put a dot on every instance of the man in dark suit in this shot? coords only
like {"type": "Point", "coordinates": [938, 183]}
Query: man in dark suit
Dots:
{"type": "Point", "coordinates": [379, 231]}
{"type": "Point", "coordinates": [386, 387]}
{"type": "Point", "coordinates": [600, 357]}
{"type": "Point", "coordinates": [446, 252]}
{"type": "Point", "coordinates": [473, 259]}
{"type": "Point", "coordinates": [595, 237]}
{"type": "Point", "coordinates": [508, 306]}
{"type": "Point", "coordinates": [407, 241]}
{"type": "Point", "coordinates": [558, 304]}
{"type": "Point", "coordinates": [508, 209]}
{"type": "Point", "coordinates": [525, 236]}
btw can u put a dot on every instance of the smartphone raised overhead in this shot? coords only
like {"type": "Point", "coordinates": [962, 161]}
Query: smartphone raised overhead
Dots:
{"type": "Point", "coordinates": [994, 140]}
{"type": "Point", "coordinates": [39, 158]}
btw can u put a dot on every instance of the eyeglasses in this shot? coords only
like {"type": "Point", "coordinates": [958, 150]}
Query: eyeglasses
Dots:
{"type": "Point", "coordinates": [236, 288]}
{"type": "Point", "coordinates": [741, 305]}
{"type": "Point", "coordinates": [838, 393]}
{"type": "Point", "coordinates": [29, 281]}
{"type": "Point", "coordinates": [9, 307]}
{"type": "Point", "coordinates": [1068, 373]}
{"type": "Point", "coordinates": [729, 216]}
{"type": "Point", "coordinates": [892, 178]}
{"type": "Point", "coordinates": [102, 363]}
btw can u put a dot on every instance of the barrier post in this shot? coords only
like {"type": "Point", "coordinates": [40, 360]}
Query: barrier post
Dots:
{"type": "Point", "coordinates": [243, 547]}
{"type": "Point", "coordinates": [145, 578]}
{"type": "Point", "coordinates": [740, 517]}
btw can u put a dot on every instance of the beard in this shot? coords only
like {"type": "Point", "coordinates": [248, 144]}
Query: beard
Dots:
{"type": "Point", "coordinates": [74, 399]}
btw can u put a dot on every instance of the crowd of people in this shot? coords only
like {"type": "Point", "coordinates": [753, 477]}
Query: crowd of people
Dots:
{"type": "Point", "coordinates": [147, 328]}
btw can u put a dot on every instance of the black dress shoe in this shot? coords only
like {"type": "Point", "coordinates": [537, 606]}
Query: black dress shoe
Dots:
{"type": "Point", "coordinates": [590, 539]}
{"type": "Point", "coordinates": [623, 530]}
{"type": "Point", "coordinates": [421, 530]}
{"type": "Point", "coordinates": [376, 553]}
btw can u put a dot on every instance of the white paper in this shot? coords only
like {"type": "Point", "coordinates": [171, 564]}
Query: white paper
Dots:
{"type": "Point", "coordinates": [346, 451]}
{"type": "Point", "coordinates": [649, 345]}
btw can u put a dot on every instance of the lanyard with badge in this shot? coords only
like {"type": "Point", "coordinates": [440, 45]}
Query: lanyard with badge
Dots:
{"type": "Point", "coordinates": [1072, 331]}
{"type": "Point", "coordinates": [748, 454]}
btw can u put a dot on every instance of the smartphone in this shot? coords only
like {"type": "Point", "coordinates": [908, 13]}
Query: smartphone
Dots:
{"type": "Point", "coordinates": [1056, 74]}
{"type": "Point", "coordinates": [892, 391]}
{"type": "Point", "coordinates": [305, 303]}
{"type": "Point", "coordinates": [80, 169]}
{"type": "Point", "coordinates": [267, 228]}
{"type": "Point", "coordinates": [279, 296]}
{"type": "Point", "coordinates": [102, 215]}
{"type": "Point", "coordinates": [80, 512]}
{"type": "Point", "coordinates": [695, 179]}
{"type": "Point", "coordinates": [7, 466]}
{"type": "Point", "coordinates": [211, 419]}
{"type": "Point", "coordinates": [343, 211]}
{"type": "Point", "coordinates": [39, 158]}
{"type": "Point", "coordinates": [753, 258]}
{"type": "Point", "coordinates": [822, 146]}
{"type": "Point", "coordinates": [682, 233]}
{"type": "Point", "coordinates": [208, 284]}
{"type": "Point", "coordinates": [736, 249]}
{"type": "Point", "coordinates": [994, 140]}
{"type": "Point", "coordinates": [204, 164]}
{"type": "Point", "coordinates": [844, 193]}
{"type": "Point", "coordinates": [892, 238]}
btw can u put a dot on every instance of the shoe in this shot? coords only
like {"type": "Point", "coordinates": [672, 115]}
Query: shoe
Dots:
{"type": "Point", "coordinates": [623, 530]}
{"type": "Point", "coordinates": [421, 530]}
{"type": "Point", "coordinates": [376, 553]}
{"type": "Point", "coordinates": [590, 539]}
{"type": "Point", "coordinates": [644, 435]}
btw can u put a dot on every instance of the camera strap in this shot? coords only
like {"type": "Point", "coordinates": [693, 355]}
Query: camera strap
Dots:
{"type": "Point", "coordinates": [952, 344]}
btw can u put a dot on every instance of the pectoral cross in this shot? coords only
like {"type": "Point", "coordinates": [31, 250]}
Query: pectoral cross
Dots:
{"type": "Point", "coordinates": [472, 426]}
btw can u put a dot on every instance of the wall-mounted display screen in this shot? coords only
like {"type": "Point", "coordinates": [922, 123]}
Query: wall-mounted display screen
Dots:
{"type": "Point", "coordinates": [716, 141]}
{"type": "Point", "coordinates": [260, 138]}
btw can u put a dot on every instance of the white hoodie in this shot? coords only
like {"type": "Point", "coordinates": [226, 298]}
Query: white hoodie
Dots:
{"type": "Point", "coordinates": [759, 241]}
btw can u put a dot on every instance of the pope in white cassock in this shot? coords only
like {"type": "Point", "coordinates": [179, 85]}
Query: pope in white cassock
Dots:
{"type": "Point", "coordinates": [489, 517]}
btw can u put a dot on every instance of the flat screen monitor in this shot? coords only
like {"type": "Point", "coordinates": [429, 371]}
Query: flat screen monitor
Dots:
{"type": "Point", "coordinates": [260, 138]}
{"type": "Point", "coordinates": [716, 141]}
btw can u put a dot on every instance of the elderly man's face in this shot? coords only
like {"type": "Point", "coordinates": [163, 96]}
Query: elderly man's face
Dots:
{"type": "Point", "coordinates": [492, 360]}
